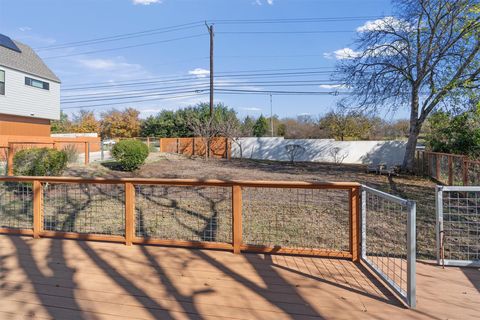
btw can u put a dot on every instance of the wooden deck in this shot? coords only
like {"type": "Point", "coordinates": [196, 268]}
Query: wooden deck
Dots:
{"type": "Point", "coordinates": [66, 279]}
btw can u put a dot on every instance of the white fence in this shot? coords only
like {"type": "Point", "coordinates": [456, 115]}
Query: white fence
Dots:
{"type": "Point", "coordinates": [458, 226]}
{"type": "Point", "coordinates": [321, 150]}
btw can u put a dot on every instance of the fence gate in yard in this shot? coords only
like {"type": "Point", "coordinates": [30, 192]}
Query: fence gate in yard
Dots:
{"type": "Point", "coordinates": [388, 240]}
{"type": "Point", "coordinates": [458, 226]}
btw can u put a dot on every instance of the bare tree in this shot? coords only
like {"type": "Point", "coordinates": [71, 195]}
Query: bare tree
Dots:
{"type": "Point", "coordinates": [232, 129]}
{"type": "Point", "coordinates": [427, 56]}
{"type": "Point", "coordinates": [206, 128]}
{"type": "Point", "coordinates": [294, 151]}
{"type": "Point", "coordinates": [337, 155]}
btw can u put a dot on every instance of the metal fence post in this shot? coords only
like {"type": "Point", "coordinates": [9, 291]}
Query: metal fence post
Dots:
{"type": "Point", "coordinates": [411, 255]}
{"type": "Point", "coordinates": [354, 223]}
{"type": "Point", "coordinates": [439, 221]}
{"type": "Point", "coordinates": [364, 224]}
{"type": "Point", "coordinates": [237, 218]}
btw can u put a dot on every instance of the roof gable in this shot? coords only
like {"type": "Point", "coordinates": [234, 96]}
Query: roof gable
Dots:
{"type": "Point", "coordinates": [26, 61]}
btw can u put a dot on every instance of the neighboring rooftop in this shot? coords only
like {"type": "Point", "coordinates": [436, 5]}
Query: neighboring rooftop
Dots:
{"type": "Point", "coordinates": [19, 56]}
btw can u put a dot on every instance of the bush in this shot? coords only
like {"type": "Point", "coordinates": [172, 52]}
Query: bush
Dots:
{"type": "Point", "coordinates": [72, 153]}
{"type": "Point", "coordinates": [39, 162]}
{"type": "Point", "coordinates": [130, 154]}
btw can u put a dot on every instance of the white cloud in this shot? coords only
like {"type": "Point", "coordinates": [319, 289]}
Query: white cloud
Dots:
{"type": "Point", "coordinates": [383, 24]}
{"type": "Point", "coordinates": [24, 29]}
{"type": "Point", "coordinates": [342, 54]}
{"type": "Point", "coordinates": [199, 72]}
{"type": "Point", "coordinates": [109, 64]}
{"type": "Point", "coordinates": [332, 86]}
{"type": "Point", "coordinates": [146, 2]}
{"type": "Point", "coordinates": [260, 2]}
{"type": "Point", "coordinates": [252, 109]}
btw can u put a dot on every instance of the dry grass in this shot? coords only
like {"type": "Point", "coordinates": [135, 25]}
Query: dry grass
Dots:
{"type": "Point", "coordinates": [287, 217]}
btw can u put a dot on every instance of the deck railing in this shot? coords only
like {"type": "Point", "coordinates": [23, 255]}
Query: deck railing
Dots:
{"type": "Point", "coordinates": [318, 218]}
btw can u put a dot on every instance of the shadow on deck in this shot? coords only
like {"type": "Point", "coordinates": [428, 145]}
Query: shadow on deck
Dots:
{"type": "Point", "coordinates": [65, 279]}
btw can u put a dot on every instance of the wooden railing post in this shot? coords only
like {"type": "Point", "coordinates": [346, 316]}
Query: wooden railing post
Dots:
{"type": "Point", "coordinates": [129, 213]}
{"type": "Point", "coordinates": [148, 142]}
{"type": "Point", "coordinates": [237, 218]}
{"type": "Point", "coordinates": [37, 208]}
{"type": "Point", "coordinates": [354, 223]}
{"type": "Point", "coordinates": [10, 160]}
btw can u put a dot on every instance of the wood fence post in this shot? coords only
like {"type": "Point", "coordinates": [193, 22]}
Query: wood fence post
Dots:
{"type": "Point", "coordinates": [193, 146]}
{"type": "Point", "coordinates": [10, 160]}
{"type": "Point", "coordinates": [437, 167]}
{"type": "Point", "coordinates": [450, 170]}
{"type": "Point", "coordinates": [148, 143]}
{"type": "Point", "coordinates": [37, 208]}
{"type": "Point", "coordinates": [354, 195]}
{"type": "Point", "coordinates": [129, 213]}
{"type": "Point", "coordinates": [87, 153]}
{"type": "Point", "coordinates": [178, 150]}
{"type": "Point", "coordinates": [237, 218]}
{"type": "Point", "coordinates": [465, 171]}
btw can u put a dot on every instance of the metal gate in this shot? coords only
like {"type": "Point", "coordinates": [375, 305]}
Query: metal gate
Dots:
{"type": "Point", "coordinates": [388, 241]}
{"type": "Point", "coordinates": [458, 226]}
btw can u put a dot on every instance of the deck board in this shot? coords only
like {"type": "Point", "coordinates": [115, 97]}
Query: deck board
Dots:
{"type": "Point", "coordinates": [67, 279]}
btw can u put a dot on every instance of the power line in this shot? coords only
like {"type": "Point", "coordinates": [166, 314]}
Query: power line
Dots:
{"type": "Point", "coordinates": [120, 37]}
{"type": "Point", "coordinates": [127, 47]}
{"type": "Point", "coordinates": [162, 79]}
{"type": "Point", "coordinates": [285, 32]}
{"type": "Point", "coordinates": [294, 20]}
{"type": "Point", "coordinates": [134, 101]}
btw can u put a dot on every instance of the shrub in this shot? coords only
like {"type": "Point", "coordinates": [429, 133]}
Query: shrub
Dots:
{"type": "Point", "coordinates": [130, 154]}
{"type": "Point", "coordinates": [72, 153]}
{"type": "Point", "coordinates": [39, 162]}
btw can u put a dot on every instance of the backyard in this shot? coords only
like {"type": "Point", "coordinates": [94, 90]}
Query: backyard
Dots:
{"type": "Point", "coordinates": [166, 165]}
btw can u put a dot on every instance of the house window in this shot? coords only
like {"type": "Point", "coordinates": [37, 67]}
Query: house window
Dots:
{"type": "Point", "coordinates": [37, 83]}
{"type": "Point", "coordinates": [2, 83]}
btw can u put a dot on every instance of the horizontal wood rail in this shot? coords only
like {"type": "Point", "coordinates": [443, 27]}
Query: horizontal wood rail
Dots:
{"type": "Point", "coordinates": [236, 186]}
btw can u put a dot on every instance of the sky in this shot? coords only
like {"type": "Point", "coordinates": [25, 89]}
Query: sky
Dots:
{"type": "Point", "coordinates": [153, 54]}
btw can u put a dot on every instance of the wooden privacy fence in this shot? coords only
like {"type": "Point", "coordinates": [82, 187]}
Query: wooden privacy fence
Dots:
{"type": "Point", "coordinates": [55, 144]}
{"type": "Point", "coordinates": [319, 219]}
{"type": "Point", "coordinates": [448, 169]}
{"type": "Point", "coordinates": [220, 147]}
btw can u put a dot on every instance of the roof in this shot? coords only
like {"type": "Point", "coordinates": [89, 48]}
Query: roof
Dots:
{"type": "Point", "coordinates": [26, 61]}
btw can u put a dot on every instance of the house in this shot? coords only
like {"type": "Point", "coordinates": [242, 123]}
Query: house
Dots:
{"type": "Point", "coordinates": [29, 91]}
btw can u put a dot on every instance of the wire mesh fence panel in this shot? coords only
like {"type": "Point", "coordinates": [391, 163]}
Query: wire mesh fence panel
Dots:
{"type": "Point", "coordinates": [184, 213]}
{"type": "Point", "coordinates": [84, 208]}
{"type": "Point", "coordinates": [16, 205]}
{"type": "Point", "coordinates": [3, 160]}
{"type": "Point", "coordinates": [473, 173]}
{"type": "Point", "coordinates": [458, 225]}
{"type": "Point", "coordinates": [296, 218]}
{"type": "Point", "coordinates": [444, 170]}
{"type": "Point", "coordinates": [457, 164]}
{"type": "Point", "coordinates": [388, 240]}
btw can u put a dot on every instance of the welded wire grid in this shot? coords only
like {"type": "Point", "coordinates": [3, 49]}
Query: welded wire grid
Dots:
{"type": "Point", "coordinates": [184, 213]}
{"type": "Point", "coordinates": [84, 208]}
{"type": "Point", "coordinates": [473, 173]}
{"type": "Point", "coordinates": [16, 205]}
{"type": "Point", "coordinates": [296, 218]}
{"type": "Point", "coordinates": [385, 242]}
{"type": "Point", "coordinates": [461, 225]}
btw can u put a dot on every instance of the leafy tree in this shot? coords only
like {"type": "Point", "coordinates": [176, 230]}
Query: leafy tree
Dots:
{"type": "Point", "coordinates": [161, 125]}
{"type": "Point", "coordinates": [261, 127]}
{"type": "Point", "coordinates": [458, 134]}
{"type": "Point", "coordinates": [429, 54]}
{"type": "Point", "coordinates": [85, 122]}
{"type": "Point", "coordinates": [120, 124]}
{"type": "Point", "coordinates": [342, 124]}
{"type": "Point", "coordinates": [247, 126]}
{"type": "Point", "coordinates": [63, 125]}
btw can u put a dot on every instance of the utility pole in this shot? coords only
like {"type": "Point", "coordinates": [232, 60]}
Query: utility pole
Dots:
{"type": "Point", "coordinates": [271, 114]}
{"type": "Point", "coordinates": [211, 32]}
